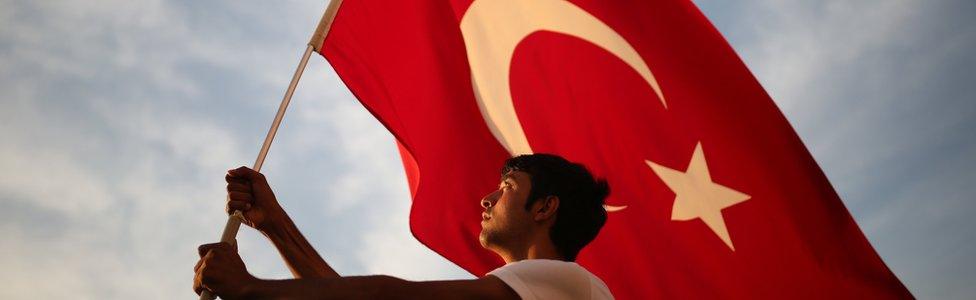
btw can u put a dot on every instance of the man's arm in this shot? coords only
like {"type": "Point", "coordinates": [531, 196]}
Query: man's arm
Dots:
{"type": "Point", "coordinates": [222, 271]}
{"type": "Point", "coordinates": [382, 287]}
{"type": "Point", "coordinates": [299, 255]}
{"type": "Point", "coordinates": [251, 194]}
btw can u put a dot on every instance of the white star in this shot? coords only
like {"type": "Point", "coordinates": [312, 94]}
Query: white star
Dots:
{"type": "Point", "coordinates": [696, 196]}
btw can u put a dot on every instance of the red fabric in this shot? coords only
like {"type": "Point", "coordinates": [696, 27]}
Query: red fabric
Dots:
{"type": "Point", "coordinates": [406, 62]}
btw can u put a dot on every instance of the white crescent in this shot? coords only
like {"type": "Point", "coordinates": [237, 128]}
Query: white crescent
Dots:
{"type": "Point", "coordinates": [493, 28]}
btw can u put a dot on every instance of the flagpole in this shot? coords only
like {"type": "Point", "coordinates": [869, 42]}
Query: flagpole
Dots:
{"type": "Point", "coordinates": [234, 220]}
{"type": "Point", "coordinates": [233, 225]}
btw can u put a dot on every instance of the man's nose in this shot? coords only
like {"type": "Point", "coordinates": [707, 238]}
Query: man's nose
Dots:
{"type": "Point", "coordinates": [490, 199]}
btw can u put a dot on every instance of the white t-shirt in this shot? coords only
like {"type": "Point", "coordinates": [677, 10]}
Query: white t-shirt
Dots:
{"type": "Point", "coordinates": [551, 279]}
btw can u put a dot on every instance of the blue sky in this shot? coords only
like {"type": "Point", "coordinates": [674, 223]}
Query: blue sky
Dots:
{"type": "Point", "coordinates": [119, 119]}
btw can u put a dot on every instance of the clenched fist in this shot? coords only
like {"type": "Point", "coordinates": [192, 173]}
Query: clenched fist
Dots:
{"type": "Point", "coordinates": [250, 194]}
{"type": "Point", "coordinates": [221, 271]}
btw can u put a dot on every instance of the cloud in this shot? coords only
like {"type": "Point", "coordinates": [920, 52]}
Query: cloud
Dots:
{"type": "Point", "coordinates": [120, 119]}
{"type": "Point", "coordinates": [110, 178]}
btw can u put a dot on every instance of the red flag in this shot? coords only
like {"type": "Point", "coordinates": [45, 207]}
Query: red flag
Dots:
{"type": "Point", "coordinates": [714, 194]}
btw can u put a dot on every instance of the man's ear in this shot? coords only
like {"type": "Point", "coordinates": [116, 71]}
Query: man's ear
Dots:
{"type": "Point", "coordinates": [546, 208]}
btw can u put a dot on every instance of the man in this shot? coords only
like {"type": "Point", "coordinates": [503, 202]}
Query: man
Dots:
{"type": "Point", "coordinates": [545, 210]}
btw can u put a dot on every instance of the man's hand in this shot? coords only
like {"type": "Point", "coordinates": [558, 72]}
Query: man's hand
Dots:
{"type": "Point", "coordinates": [222, 271]}
{"type": "Point", "coordinates": [250, 193]}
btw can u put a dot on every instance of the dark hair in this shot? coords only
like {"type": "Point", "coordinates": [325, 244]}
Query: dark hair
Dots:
{"type": "Point", "coordinates": [580, 214]}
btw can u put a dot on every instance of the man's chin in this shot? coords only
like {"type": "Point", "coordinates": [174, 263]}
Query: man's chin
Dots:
{"type": "Point", "coordinates": [482, 241]}
{"type": "Point", "coordinates": [483, 238]}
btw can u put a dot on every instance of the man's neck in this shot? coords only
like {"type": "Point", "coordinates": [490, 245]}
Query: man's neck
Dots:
{"type": "Point", "coordinates": [539, 249]}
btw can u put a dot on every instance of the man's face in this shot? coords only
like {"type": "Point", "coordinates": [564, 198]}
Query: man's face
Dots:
{"type": "Point", "coordinates": [505, 221]}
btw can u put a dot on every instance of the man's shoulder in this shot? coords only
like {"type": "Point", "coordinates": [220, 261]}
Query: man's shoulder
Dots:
{"type": "Point", "coordinates": [543, 279]}
{"type": "Point", "coordinates": [545, 268]}
{"type": "Point", "coordinates": [543, 264]}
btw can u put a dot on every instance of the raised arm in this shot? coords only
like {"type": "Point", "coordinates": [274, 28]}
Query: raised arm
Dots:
{"type": "Point", "coordinates": [381, 287]}
{"type": "Point", "coordinates": [222, 271]}
{"type": "Point", "coordinates": [251, 194]}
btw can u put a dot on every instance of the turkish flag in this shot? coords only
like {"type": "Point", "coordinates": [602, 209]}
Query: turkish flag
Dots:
{"type": "Point", "coordinates": [713, 194]}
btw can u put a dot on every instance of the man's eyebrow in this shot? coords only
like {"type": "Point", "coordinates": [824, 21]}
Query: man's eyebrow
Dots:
{"type": "Point", "coordinates": [508, 176]}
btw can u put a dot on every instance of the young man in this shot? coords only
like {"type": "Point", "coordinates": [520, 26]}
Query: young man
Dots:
{"type": "Point", "coordinates": [545, 210]}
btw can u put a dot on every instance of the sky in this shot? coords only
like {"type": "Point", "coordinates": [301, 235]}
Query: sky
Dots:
{"type": "Point", "coordinates": [118, 120]}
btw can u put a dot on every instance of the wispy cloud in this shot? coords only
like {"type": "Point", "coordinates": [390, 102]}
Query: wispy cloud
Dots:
{"type": "Point", "coordinates": [120, 118]}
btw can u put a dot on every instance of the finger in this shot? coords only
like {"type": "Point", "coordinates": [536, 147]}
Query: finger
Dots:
{"type": "Point", "coordinates": [247, 173]}
{"type": "Point", "coordinates": [241, 196]}
{"type": "Point", "coordinates": [198, 276]}
{"type": "Point", "coordinates": [230, 178]}
{"type": "Point", "coordinates": [197, 284]}
{"type": "Point", "coordinates": [237, 205]}
{"type": "Point", "coordinates": [222, 247]}
{"type": "Point", "coordinates": [203, 249]}
{"type": "Point", "coordinates": [197, 267]}
{"type": "Point", "coordinates": [238, 187]}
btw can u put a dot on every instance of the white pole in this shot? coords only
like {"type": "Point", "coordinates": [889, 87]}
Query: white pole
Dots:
{"type": "Point", "coordinates": [318, 37]}
{"type": "Point", "coordinates": [234, 220]}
